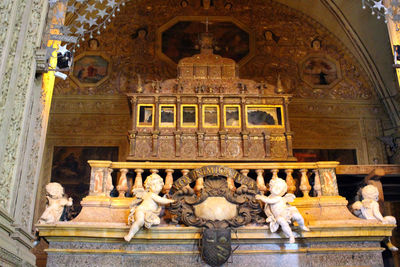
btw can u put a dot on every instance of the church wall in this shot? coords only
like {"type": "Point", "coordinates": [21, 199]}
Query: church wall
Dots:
{"type": "Point", "coordinates": [22, 125]}
{"type": "Point", "coordinates": [283, 41]}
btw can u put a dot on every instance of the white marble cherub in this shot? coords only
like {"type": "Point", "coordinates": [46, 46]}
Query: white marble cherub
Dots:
{"type": "Point", "coordinates": [146, 206]}
{"type": "Point", "coordinates": [278, 211]}
{"type": "Point", "coordinates": [55, 203]}
{"type": "Point", "coordinates": [368, 208]}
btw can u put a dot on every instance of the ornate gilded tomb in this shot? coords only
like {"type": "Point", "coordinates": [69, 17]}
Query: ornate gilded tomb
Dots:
{"type": "Point", "coordinates": [210, 140]}
{"type": "Point", "coordinates": [208, 113]}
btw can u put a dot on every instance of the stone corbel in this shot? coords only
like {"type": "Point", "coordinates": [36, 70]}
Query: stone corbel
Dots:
{"type": "Point", "coordinates": [41, 62]}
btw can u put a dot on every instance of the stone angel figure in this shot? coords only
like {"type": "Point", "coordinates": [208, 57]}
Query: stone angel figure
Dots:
{"type": "Point", "coordinates": [145, 207]}
{"type": "Point", "coordinates": [368, 209]}
{"type": "Point", "coordinates": [55, 203]}
{"type": "Point", "coordinates": [278, 211]}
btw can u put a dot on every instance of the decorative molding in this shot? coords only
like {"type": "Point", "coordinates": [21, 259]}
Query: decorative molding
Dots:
{"type": "Point", "coordinates": [10, 257]}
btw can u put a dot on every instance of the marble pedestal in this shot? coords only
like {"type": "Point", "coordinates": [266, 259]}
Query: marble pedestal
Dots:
{"type": "Point", "coordinates": [250, 254]}
{"type": "Point", "coordinates": [95, 238]}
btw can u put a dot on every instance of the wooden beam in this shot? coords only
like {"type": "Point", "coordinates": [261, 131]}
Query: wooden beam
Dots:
{"type": "Point", "coordinates": [389, 169]}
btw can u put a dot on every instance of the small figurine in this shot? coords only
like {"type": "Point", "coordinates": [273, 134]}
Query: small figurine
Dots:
{"type": "Point", "coordinates": [368, 208]}
{"type": "Point", "coordinates": [55, 203]}
{"type": "Point", "coordinates": [278, 211]}
{"type": "Point", "coordinates": [145, 207]}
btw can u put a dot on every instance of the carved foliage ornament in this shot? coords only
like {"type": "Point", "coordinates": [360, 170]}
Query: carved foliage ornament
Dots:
{"type": "Point", "coordinates": [241, 205]}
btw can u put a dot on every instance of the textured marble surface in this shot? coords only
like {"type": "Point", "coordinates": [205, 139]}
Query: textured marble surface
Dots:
{"type": "Point", "coordinates": [331, 254]}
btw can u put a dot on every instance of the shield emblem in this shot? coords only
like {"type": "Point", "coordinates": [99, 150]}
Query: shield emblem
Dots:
{"type": "Point", "coordinates": [216, 246]}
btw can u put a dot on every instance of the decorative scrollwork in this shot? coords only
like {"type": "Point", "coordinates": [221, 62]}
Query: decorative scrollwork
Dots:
{"type": "Point", "coordinates": [215, 186]}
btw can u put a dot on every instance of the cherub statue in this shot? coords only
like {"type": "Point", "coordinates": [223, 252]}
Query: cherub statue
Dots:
{"type": "Point", "coordinates": [368, 208]}
{"type": "Point", "coordinates": [278, 211]}
{"type": "Point", "coordinates": [55, 203]}
{"type": "Point", "coordinates": [145, 207]}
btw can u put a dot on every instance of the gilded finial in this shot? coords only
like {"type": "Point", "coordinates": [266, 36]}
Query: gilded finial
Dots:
{"type": "Point", "coordinates": [279, 88]}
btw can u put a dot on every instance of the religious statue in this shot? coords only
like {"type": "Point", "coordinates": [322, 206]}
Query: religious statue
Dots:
{"type": "Point", "coordinates": [368, 208]}
{"type": "Point", "coordinates": [55, 203]}
{"type": "Point", "coordinates": [145, 207]}
{"type": "Point", "coordinates": [278, 211]}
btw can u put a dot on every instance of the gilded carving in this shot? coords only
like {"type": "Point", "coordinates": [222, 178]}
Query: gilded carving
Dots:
{"type": "Point", "coordinates": [233, 148]}
{"type": "Point", "coordinates": [256, 148]}
{"type": "Point", "coordinates": [211, 149]}
{"type": "Point", "coordinates": [278, 49]}
{"type": "Point", "coordinates": [143, 147]}
{"type": "Point", "coordinates": [167, 148]}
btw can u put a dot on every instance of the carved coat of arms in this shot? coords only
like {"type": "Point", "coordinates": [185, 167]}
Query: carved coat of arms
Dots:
{"type": "Point", "coordinates": [216, 246]}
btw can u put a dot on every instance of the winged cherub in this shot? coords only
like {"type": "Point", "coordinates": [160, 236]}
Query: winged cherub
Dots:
{"type": "Point", "coordinates": [145, 207]}
{"type": "Point", "coordinates": [368, 208]}
{"type": "Point", "coordinates": [278, 211]}
{"type": "Point", "coordinates": [56, 201]}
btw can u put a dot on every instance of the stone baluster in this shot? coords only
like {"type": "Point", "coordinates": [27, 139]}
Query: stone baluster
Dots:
{"type": "Point", "coordinates": [168, 181]}
{"type": "Point", "coordinates": [138, 180]}
{"type": "Point", "coordinates": [260, 181]}
{"type": "Point", "coordinates": [274, 173]}
{"type": "Point", "coordinates": [317, 184]}
{"type": "Point", "coordinates": [291, 184]}
{"type": "Point", "coordinates": [109, 185]}
{"type": "Point", "coordinates": [122, 186]}
{"type": "Point", "coordinates": [304, 183]}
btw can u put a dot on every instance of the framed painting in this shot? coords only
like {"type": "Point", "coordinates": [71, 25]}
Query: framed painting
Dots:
{"type": "Point", "coordinates": [211, 116]}
{"type": "Point", "coordinates": [232, 116]}
{"type": "Point", "coordinates": [320, 71]}
{"type": "Point", "coordinates": [189, 116]}
{"type": "Point", "coordinates": [70, 168]}
{"type": "Point", "coordinates": [145, 115]}
{"type": "Point", "coordinates": [179, 38]}
{"type": "Point", "coordinates": [260, 116]}
{"type": "Point", "coordinates": [167, 115]}
{"type": "Point", "coordinates": [91, 69]}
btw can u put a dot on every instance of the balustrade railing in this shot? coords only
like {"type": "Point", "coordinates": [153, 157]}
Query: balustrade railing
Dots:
{"type": "Point", "coordinates": [317, 178]}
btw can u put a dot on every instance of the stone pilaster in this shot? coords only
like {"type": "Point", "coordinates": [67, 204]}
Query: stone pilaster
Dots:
{"type": "Point", "coordinates": [22, 125]}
